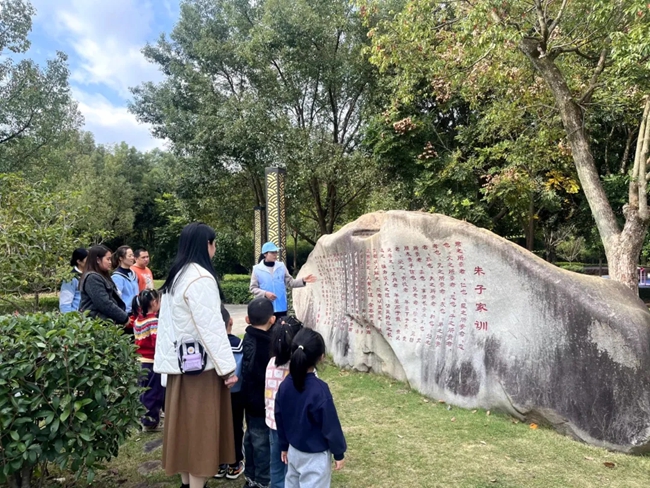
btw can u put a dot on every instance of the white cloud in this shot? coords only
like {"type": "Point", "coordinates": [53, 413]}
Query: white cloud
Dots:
{"type": "Point", "coordinates": [113, 124]}
{"type": "Point", "coordinates": [103, 40]}
{"type": "Point", "coordinates": [106, 38]}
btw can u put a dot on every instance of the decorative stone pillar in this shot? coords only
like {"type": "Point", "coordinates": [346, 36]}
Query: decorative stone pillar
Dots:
{"type": "Point", "coordinates": [259, 231]}
{"type": "Point", "coordinates": [276, 219]}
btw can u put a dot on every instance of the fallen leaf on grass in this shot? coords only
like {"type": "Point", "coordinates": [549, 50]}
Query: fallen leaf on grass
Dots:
{"type": "Point", "coordinates": [483, 442]}
{"type": "Point", "coordinates": [425, 400]}
{"type": "Point", "coordinates": [448, 407]}
{"type": "Point", "coordinates": [474, 411]}
{"type": "Point", "coordinates": [514, 421]}
{"type": "Point", "coordinates": [453, 419]}
{"type": "Point", "coordinates": [441, 401]}
{"type": "Point", "coordinates": [609, 464]}
{"type": "Point", "coordinates": [589, 458]}
{"type": "Point", "coordinates": [400, 436]}
{"type": "Point", "coordinates": [493, 480]}
{"type": "Point", "coordinates": [533, 426]}
{"type": "Point", "coordinates": [487, 413]}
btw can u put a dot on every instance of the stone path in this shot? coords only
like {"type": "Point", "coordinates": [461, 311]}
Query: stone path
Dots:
{"type": "Point", "coordinates": [238, 313]}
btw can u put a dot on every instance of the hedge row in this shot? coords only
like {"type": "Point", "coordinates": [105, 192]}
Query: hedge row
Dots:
{"type": "Point", "coordinates": [236, 292]}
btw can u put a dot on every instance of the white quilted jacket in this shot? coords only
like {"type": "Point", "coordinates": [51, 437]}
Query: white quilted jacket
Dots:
{"type": "Point", "coordinates": [193, 312]}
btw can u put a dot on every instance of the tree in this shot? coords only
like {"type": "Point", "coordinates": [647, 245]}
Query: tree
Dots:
{"type": "Point", "coordinates": [36, 107]}
{"type": "Point", "coordinates": [574, 61]}
{"type": "Point", "coordinates": [273, 83]}
{"type": "Point", "coordinates": [38, 230]}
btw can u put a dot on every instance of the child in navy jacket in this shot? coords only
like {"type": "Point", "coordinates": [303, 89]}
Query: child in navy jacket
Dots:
{"type": "Point", "coordinates": [256, 349]}
{"type": "Point", "coordinates": [309, 430]}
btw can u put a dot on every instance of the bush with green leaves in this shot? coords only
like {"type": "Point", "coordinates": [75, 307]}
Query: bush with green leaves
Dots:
{"type": "Point", "coordinates": [236, 292]}
{"type": "Point", "coordinates": [69, 393]}
{"type": "Point", "coordinates": [575, 267]}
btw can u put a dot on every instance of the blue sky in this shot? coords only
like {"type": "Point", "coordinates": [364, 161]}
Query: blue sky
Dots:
{"type": "Point", "coordinates": [103, 39]}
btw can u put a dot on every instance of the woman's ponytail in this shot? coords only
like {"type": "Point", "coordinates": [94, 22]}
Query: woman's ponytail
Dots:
{"type": "Point", "coordinates": [307, 349]}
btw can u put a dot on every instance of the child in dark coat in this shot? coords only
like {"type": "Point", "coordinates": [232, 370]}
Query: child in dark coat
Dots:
{"type": "Point", "coordinates": [256, 347]}
{"type": "Point", "coordinates": [234, 471]}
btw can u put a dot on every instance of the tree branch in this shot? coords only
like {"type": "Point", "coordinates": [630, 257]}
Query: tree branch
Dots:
{"type": "Point", "coordinates": [557, 19]}
{"type": "Point", "coordinates": [643, 159]}
{"type": "Point", "coordinates": [593, 83]}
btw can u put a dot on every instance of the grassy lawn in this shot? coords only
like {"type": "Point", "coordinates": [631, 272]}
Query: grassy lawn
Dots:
{"type": "Point", "coordinates": [398, 438]}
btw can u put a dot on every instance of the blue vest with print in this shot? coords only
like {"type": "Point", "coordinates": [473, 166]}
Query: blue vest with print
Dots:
{"type": "Point", "coordinates": [273, 283]}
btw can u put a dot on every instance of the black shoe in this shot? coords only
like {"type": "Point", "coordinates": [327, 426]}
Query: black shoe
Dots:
{"type": "Point", "coordinates": [223, 470]}
{"type": "Point", "coordinates": [236, 471]}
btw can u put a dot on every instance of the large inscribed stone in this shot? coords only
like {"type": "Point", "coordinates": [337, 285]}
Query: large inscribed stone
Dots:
{"type": "Point", "coordinates": [473, 319]}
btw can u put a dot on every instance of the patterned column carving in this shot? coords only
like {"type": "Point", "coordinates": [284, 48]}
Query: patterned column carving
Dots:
{"type": "Point", "coordinates": [259, 231]}
{"type": "Point", "coordinates": [276, 217]}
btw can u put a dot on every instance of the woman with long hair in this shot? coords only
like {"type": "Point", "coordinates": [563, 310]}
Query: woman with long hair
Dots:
{"type": "Point", "coordinates": [70, 296]}
{"type": "Point", "coordinates": [198, 434]}
{"type": "Point", "coordinates": [125, 279]}
{"type": "Point", "coordinates": [99, 296]}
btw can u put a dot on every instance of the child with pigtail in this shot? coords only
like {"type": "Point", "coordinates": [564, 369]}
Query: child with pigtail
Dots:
{"type": "Point", "coordinates": [308, 427]}
{"type": "Point", "coordinates": [276, 371]}
{"type": "Point", "coordinates": [145, 307]}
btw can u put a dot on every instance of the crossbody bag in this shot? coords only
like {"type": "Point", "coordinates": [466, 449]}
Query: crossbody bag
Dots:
{"type": "Point", "coordinates": [192, 356]}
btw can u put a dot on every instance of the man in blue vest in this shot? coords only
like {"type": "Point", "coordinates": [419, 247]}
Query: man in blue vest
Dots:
{"type": "Point", "coordinates": [270, 279]}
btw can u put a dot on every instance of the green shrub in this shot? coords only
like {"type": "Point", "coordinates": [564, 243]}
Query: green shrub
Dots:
{"type": "Point", "coordinates": [68, 393]}
{"type": "Point", "coordinates": [577, 268]}
{"type": "Point", "coordinates": [236, 292]}
{"type": "Point", "coordinates": [237, 277]}
{"type": "Point", "coordinates": [11, 304]}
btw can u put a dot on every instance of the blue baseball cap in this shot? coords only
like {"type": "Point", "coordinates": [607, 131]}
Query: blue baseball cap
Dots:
{"type": "Point", "coordinates": [269, 247]}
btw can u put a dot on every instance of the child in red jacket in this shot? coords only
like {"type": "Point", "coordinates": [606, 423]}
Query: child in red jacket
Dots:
{"type": "Point", "coordinates": [145, 329]}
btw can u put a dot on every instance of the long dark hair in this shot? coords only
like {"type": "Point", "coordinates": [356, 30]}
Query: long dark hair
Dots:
{"type": "Point", "coordinates": [281, 337]}
{"type": "Point", "coordinates": [192, 248]}
{"type": "Point", "coordinates": [307, 348]}
{"type": "Point", "coordinates": [142, 302]}
{"type": "Point", "coordinates": [120, 253]}
{"type": "Point", "coordinates": [95, 253]}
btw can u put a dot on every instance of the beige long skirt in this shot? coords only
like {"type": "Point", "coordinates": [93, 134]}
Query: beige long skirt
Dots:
{"type": "Point", "coordinates": [198, 434]}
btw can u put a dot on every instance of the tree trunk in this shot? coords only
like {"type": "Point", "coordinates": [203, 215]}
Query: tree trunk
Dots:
{"type": "Point", "coordinates": [530, 226]}
{"type": "Point", "coordinates": [295, 251]}
{"type": "Point", "coordinates": [621, 248]}
{"type": "Point", "coordinates": [623, 258]}
{"type": "Point", "coordinates": [21, 479]}
{"type": "Point", "coordinates": [321, 219]}
{"type": "Point", "coordinates": [626, 153]}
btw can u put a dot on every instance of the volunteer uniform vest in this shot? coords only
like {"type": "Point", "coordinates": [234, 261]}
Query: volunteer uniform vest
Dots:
{"type": "Point", "coordinates": [273, 282]}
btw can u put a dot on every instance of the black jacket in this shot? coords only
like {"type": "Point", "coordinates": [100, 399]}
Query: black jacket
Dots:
{"type": "Point", "coordinates": [256, 346]}
{"type": "Point", "coordinates": [99, 297]}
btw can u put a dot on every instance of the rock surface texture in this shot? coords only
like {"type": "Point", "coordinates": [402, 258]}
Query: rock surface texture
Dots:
{"type": "Point", "coordinates": [473, 319]}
